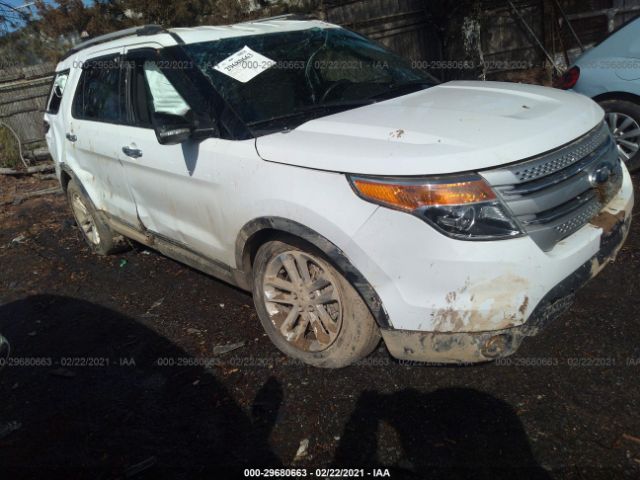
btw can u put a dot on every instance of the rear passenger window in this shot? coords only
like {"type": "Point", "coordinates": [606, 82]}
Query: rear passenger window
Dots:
{"type": "Point", "coordinates": [99, 95]}
{"type": "Point", "coordinates": [57, 89]}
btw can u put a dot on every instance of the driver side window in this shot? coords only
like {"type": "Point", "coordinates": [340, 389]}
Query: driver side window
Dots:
{"type": "Point", "coordinates": [165, 98]}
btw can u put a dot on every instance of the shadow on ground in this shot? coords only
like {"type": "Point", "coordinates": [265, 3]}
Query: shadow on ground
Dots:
{"type": "Point", "coordinates": [449, 433]}
{"type": "Point", "coordinates": [111, 419]}
{"type": "Point", "coordinates": [95, 399]}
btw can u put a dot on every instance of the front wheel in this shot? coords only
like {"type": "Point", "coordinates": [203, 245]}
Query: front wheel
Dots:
{"type": "Point", "coordinates": [623, 118]}
{"type": "Point", "coordinates": [308, 309]}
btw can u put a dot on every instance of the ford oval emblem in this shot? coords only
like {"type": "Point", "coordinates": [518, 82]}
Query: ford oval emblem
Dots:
{"type": "Point", "coordinates": [600, 175]}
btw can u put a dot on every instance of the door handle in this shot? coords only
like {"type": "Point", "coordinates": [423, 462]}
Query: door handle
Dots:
{"type": "Point", "coordinates": [132, 152]}
{"type": "Point", "coordinates": [71, 137]}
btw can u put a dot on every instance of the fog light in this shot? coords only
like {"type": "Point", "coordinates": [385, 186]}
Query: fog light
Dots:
{"type": "Point", "coordinates": [495, 346]}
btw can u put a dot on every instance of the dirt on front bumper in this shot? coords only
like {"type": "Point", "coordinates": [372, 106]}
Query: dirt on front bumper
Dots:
{"type": "Point", "coordinates": [476, 347]}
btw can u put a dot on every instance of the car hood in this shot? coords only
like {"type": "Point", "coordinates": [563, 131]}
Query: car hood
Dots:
{"type": "Point", "coordinates": [453, 127]}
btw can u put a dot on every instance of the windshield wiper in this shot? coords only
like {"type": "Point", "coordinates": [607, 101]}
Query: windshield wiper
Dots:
{"type": "Point", "coordinates": [407, 87]}
{"type": "Point", "coordinates": [313, 111]}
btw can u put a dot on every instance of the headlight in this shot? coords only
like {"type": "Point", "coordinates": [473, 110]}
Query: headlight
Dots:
{"type": "Point", "coordinates": [462, 207]}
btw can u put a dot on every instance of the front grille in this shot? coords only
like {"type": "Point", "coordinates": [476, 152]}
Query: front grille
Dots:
{"type": "Point", "coordinates": [546, 166]}
{"type": "Point", "coordinates": [556, 194]}
{"type": "Point", "coordinates": [579, 220]}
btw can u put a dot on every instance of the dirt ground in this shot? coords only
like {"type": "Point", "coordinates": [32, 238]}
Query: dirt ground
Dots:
{"type": "Point", "coordinates": [113, 375]}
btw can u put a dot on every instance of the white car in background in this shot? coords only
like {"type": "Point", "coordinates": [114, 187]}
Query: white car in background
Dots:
{"type": "Point", "coordinates": [353, 195]}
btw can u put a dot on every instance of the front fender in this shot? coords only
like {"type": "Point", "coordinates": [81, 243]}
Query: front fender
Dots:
{"type": "Point", "coordinates": [334, 254]}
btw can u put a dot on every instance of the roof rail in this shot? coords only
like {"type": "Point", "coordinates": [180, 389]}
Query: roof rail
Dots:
{"type": "Point", "coordinates": [286, 16]}
{"type": "Point", "coordinates": [127, 32]}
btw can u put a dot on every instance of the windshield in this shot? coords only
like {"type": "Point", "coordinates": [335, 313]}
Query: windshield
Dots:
{"type": "Point", "coordinates": [280, 80]}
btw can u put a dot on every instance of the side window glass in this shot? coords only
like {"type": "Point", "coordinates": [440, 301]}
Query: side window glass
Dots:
{"type": "Point", "coordinates": [55, 97]}
{"type": "Point", "coordinates": [165, 98]}
{"type": "Point", "coordinates": [99, 95]}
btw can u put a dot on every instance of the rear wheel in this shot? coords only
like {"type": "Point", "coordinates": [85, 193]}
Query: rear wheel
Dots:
{"type": "Point", "coordinates": [95, 231]}
{"type": "Point", "coordinates": [623, 118]}
{"type": "Point", "coordinates": [308, 309]}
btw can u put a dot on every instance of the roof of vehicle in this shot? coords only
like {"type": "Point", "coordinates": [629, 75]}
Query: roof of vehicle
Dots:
{"type": "Point", "coordinates": [174, 36]}
{"type": "Point", "coordinates": [261, 27]}
{"type": "Point", "coordinates": [627, 25]}
{"type": "Point", "coordinates": [623, 42]}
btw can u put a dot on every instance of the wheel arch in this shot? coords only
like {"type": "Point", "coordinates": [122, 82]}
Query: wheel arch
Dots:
{"type": "Point", "coordinates": [261, 230]}
{"type": "Point", "coordinates": [626, 96]}
{"type": "Point", "coordinates": [65, 177]}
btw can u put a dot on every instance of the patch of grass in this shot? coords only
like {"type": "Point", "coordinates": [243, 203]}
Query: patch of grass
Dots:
{"type": "Point", "coordinates": [9, 152]}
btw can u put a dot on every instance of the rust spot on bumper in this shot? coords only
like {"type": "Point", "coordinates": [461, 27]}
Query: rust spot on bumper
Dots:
{"type": "Point", "coordinates": [608, 221]}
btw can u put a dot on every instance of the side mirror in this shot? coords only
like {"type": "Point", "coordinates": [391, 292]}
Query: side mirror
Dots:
{"type": "Point", "coordinates": [172, 129]}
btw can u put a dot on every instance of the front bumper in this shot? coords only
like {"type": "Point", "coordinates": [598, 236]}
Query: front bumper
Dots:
{"type": "Point", "coordinates": [474, 347]}
{"type": "Point", "coordinates": [481, 324]}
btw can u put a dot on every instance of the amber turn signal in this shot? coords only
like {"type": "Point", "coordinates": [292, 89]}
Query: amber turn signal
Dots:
{"type": "Point", "coordinates": [411, 196]}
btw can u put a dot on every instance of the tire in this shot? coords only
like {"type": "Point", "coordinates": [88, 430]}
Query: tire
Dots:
{"type": "Point", "coordinates": [100, 238]}
{"type": "Point", "coordinates": [332, 327]}
{"type": "Point", "coordinates": [623, 118]}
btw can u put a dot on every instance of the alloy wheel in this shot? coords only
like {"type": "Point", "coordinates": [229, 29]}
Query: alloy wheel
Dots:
{"type": "Point", "coordinates": [626, 132]}
{"type": "Point", "coordinates": [84, 219]}
{"type": "Point", "coordinates": [303, 300]}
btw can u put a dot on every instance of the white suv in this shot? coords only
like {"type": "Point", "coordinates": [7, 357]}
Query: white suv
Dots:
{"type": "Point", "coordinates": [351, 193]}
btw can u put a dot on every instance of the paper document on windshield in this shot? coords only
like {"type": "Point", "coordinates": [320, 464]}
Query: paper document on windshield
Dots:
{"type": "Point", "coordinates": [244, 65]}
